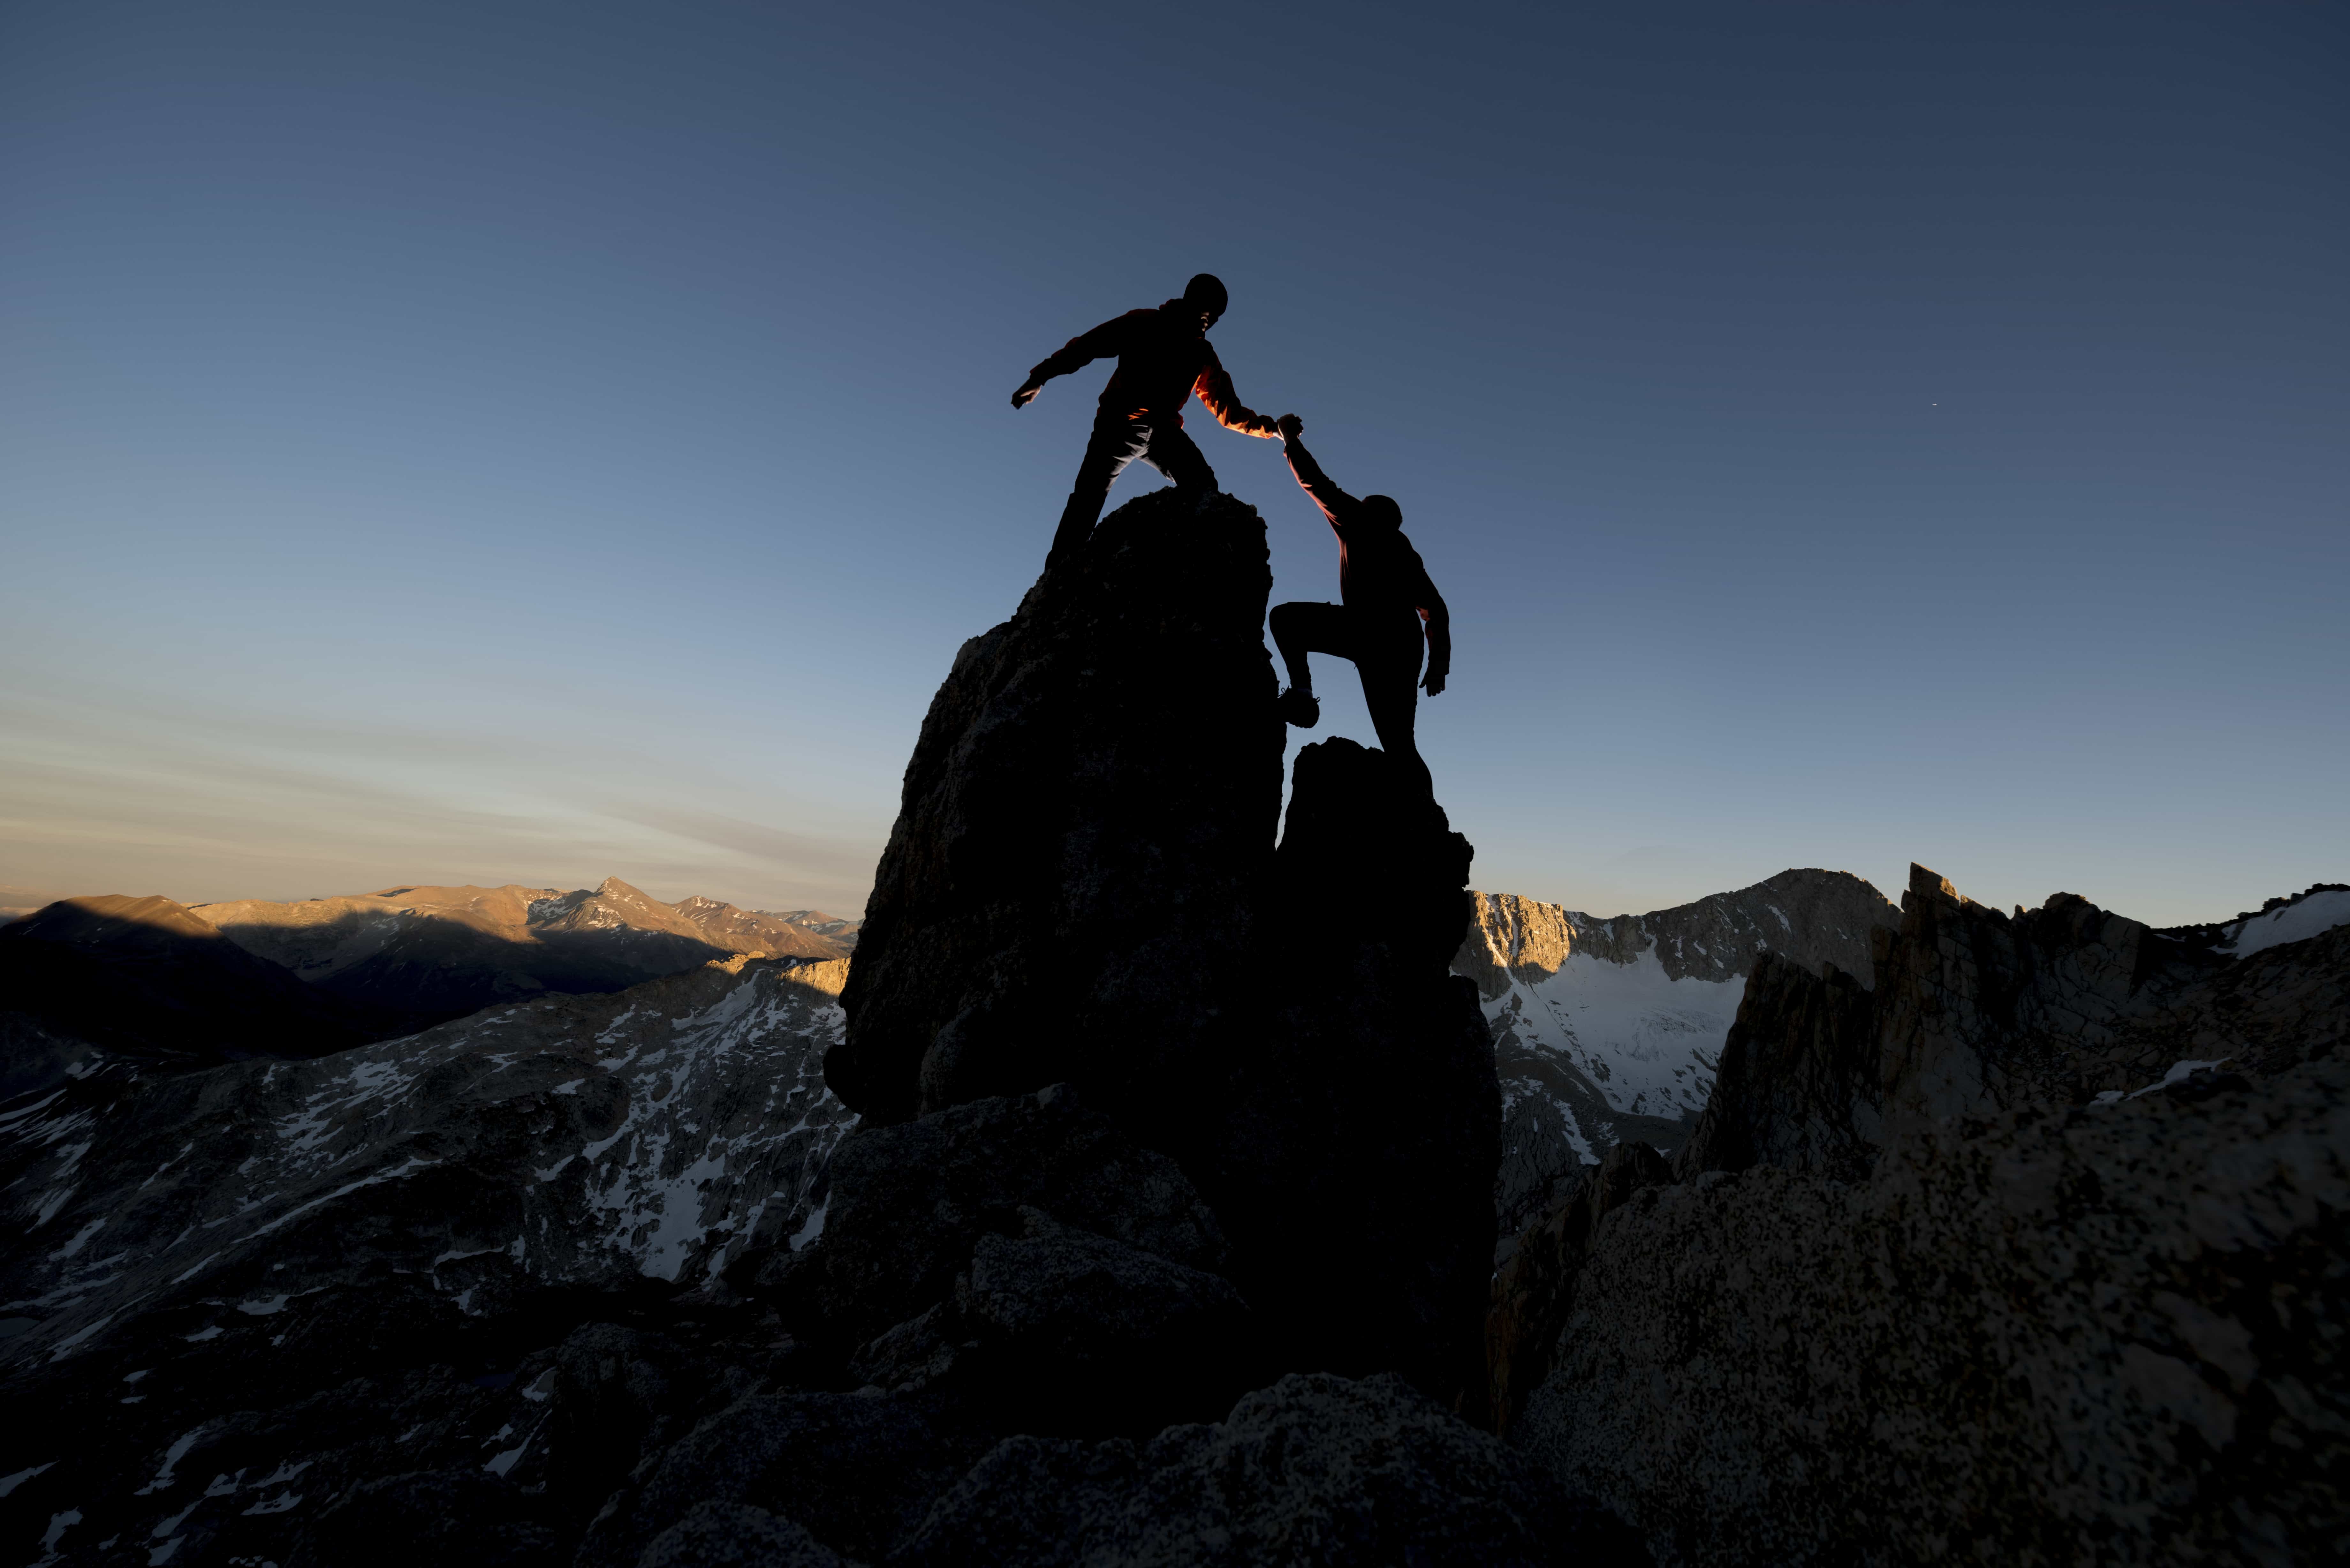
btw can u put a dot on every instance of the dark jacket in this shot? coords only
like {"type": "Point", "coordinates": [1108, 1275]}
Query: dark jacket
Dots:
{"type": "Point", "coordinates": [1163, 359]}
{"type": "Point", "coordinates": [1379, 573]}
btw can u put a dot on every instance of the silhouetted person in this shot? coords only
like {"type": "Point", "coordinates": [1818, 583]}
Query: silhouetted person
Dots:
{"type": "Point", "coordinates": [1387, 599]}
{"type": "Point", "coordinates": [1163, 359]}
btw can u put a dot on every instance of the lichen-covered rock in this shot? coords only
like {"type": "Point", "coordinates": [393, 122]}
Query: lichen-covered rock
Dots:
{"type": "Point", "coordinates": [2062, 1334]}
{"type": "Point", "coordinates": [1315, 1468]}
{"type": "Point", "coordinates": [1068, 891]}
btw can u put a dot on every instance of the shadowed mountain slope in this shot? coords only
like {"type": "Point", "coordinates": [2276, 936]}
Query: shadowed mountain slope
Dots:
{"type": "Point", "coordinates": [441, 952]}
{"type": "Point", "coordinates": [150, 979]}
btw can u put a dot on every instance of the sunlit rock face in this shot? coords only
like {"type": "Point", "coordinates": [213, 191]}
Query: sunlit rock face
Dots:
{"type": "Point", "coordinates": [1070, 891]}
{"type": "Point", "coordinates": [1606, 1030]}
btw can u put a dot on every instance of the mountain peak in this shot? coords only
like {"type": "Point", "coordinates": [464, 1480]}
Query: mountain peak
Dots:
{"type": "Point", "coordinates": [113, 919]}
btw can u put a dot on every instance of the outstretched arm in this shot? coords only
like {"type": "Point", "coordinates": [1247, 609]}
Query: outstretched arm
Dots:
{"type": "Point", "coordinates": [1440, 631]}
{"type": "Point", "coordinates": [1335, 504]}
{"type": "Point", "coordinates": [1077, 353]}
{"type": "Point", "coordinates": [1215, 388]}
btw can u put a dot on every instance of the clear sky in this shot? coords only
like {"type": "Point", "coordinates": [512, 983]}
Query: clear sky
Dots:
{"type": "Point", "coordinates": [481, 441]}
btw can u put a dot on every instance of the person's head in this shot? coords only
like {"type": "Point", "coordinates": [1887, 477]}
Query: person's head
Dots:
{"type": "Point", "coordinates": [1205, 294]}
{"type": "Point", "coordinates": [1381, 512]}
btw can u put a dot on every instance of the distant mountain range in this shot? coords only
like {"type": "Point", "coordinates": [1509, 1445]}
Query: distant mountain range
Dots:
{"type": "Point", "coordinates": [442, 952]}
{"type": "Point", "coordinates": [1604, 1029]}
{"type": "Point", "coordinates": [169, 984]}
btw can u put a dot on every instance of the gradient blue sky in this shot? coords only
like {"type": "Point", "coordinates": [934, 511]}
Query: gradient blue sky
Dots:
{"type": "Point", "coordinates": [485, 442]}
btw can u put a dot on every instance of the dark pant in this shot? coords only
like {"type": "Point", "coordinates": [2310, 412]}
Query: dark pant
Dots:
{"type": "Point", "coordinates": [1386, 651]}
{"type": "Point", "coordinates": [1158, 440]}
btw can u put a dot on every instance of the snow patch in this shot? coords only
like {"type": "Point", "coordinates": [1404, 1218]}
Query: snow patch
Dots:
{"type": "Point", "coordinates": [1646, 1041]}
{"type": "Point", "coordinates": [10, 1483]}
{"type": "Point", "coordinates": [2179, 1073]}
{"type": "Point", "coordinates": [80, 1240]}
{"type": "Point", "coordinates": [66, 1346]}
{"type": "Point", "coordinates": [2311, 916]}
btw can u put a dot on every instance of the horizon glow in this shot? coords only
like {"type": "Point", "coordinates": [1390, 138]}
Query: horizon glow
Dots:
{"type": "Point", "coordinates": [526, 443]}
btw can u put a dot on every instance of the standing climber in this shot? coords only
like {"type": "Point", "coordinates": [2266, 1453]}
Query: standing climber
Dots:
{"type": "Point", "coordinates": [1163, 358]}
{"type": "Point", "coordinates": [1387, 602]}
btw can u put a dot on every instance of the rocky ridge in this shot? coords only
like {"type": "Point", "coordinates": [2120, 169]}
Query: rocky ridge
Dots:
{"type": "Point", "coordinates": [1968, 1263]}
{"type": "Point", "coordinates": [1608, 1030]}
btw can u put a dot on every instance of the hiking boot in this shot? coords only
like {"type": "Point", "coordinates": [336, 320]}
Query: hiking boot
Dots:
{"type": "Point", "coordinates": [1299, 707]}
